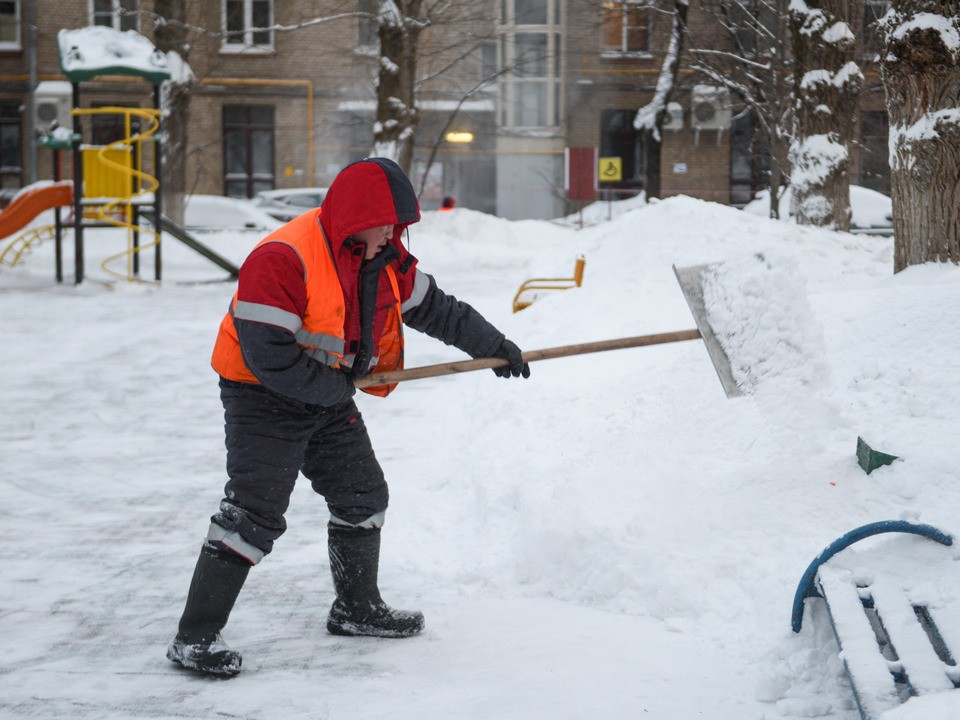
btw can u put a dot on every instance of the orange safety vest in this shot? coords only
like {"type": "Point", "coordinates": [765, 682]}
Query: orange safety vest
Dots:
{"type": "Point", "coordinates": [320, 331]}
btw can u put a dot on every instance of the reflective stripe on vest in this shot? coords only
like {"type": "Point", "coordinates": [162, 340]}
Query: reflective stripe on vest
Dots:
{"type": "Point", "coordinates": [321, 336]}
{"type": "Point", "coordinates": [421, 283]}
{"type": "Point", "coordinates": [320, 346]}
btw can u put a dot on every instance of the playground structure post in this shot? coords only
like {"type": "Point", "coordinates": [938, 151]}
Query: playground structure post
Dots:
{"type": "Point", "coordinates": [158, 193]}
{"type": "Point", "coordinates": [77, 190]}
{"type": "Point", "coordinates": [58, 220]}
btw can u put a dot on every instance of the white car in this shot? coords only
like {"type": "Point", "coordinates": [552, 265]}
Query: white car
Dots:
{"type": "Point", "coordinates": [209, 213]}
{"type": "Point", "coordinates": [288, 203]}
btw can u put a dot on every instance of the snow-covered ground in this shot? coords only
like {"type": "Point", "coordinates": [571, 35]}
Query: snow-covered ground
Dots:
{"type": "Point", "coordinates": [613, 537]}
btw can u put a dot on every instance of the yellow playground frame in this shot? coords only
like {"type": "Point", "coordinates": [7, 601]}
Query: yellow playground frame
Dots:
{"type": "Point", "coordinates": [114, 182]}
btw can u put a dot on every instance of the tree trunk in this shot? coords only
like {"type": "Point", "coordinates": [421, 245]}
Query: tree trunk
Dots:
{"type": "Point", "coordinates": [397, 117]}
{"type": "Point", "coordinates": [921, 76]}
{"type": "Point", "coordinates": [171, 37]}
{"type": "Point", "coordinates": [826, 87]}
{"type": "Point", "coordinates": [650, 119]}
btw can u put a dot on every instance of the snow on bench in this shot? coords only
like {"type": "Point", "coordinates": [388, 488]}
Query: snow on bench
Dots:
{"type": "Point", "coordinates": [894, 627]}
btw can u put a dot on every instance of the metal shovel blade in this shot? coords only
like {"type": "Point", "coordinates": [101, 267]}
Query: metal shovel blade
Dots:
{"type": "Point", "coordinates": [691, 283]}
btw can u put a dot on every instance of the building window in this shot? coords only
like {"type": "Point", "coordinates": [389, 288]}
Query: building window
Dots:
{"type": "Point", "coordinates": [488, 60]}
{"type": "Point", "coordinates": [625, 27]}
{"type": "Point", "coordinates": [618, 138]}
{"type": "Point", "coordinates": [9, 25]}
{"type": "Point", "coordinates": [111, 127]}
{"type": "Point", "coordinates": [248, 139]}
{"type": "Point", "coordinates": [753, 25]}
{"type": "Point", "coordinates": [873, 11]}
{"type": "Point", "coordinates": [531, 12]}
{"type": "Point", "coordinates": [874, 162]}
{"type": "Point", "coordinates": [117, 14]}
{"type": "Point", "coordinates": [530, 51]}
{"type": "Point", "coordinates": [11, 146]}
{"type": "Point", "coordinates": [247, 26]}
{"type": "Point", "coordinates": [749, 161]}
{"type": "Point", "coordinates": [368, 29]}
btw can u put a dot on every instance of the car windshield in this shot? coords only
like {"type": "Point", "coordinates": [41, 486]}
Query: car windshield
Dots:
{"type": "Point", "coordinates": [305, 200]}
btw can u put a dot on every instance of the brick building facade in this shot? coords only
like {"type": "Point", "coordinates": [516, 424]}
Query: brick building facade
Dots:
{"type": "Point", "coordinates": [289, 106]}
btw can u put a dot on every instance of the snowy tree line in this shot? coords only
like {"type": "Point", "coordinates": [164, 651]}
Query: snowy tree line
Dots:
{"type": "Point", "coordinates": [790, 64]}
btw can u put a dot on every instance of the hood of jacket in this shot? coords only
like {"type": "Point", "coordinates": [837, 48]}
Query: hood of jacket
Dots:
{"type": "Point", "coordinates": [369, 193]}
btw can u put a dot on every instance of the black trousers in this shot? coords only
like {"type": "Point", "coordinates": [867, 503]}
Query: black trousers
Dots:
{"type": "Point", "coordinates": [270, 439]}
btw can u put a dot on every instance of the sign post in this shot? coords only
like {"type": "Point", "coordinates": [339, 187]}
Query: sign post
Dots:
{"type": "Point", "coordinates": [610, 170]}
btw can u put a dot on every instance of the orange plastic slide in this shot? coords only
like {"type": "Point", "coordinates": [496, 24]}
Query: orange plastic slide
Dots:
{"type": "Point", "coordinates": [27, 205]}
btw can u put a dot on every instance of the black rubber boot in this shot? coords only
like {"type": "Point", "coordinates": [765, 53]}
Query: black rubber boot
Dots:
{"type": "Point", "coordinates": [217, 580]}
{"type": "Point", "coordinates": [359, 609]}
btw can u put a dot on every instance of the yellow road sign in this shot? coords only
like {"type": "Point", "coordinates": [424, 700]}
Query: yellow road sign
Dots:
{"type": "Point", "coordinates": [611, 169]}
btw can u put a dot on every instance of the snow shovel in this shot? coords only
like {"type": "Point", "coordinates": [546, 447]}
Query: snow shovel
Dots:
{"type": "Point", "coordinates": [460, 366]}
{"type": "Point", "coordinates": [690, 283]}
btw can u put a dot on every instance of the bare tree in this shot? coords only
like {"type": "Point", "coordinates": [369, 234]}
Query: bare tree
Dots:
{"type": "Point", "coordinates": [650, 117]}
{"type": "Point", "coordinates": [826, 88]}
{"type": "Point", "coordinates": [171, 36]}
{"type": "Point", "coordinates": [744, 48]}
{"type": "Point", "coordinates": [400, 24]}
{"type": "Point", "coordinates": [921, 76]}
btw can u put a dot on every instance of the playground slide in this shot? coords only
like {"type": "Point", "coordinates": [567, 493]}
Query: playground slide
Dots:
{"type": "Point", "coordinates": [181, 234]}
{"type": "Point", "coordinates": [30, 203]}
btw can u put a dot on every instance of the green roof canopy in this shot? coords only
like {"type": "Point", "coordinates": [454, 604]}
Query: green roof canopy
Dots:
{"type": "Point", "coordinates": [89, 52]}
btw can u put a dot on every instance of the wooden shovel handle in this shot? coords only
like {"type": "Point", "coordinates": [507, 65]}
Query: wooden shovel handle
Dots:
{"type": "Point", "coordinates": [460, 366]}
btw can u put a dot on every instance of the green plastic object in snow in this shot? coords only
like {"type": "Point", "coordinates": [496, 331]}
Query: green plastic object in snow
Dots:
{"type": "Point", "coordinates": [871, 459]}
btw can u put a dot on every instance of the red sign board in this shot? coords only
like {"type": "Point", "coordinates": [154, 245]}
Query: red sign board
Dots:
{"type": "Point", "coordinates": [580, 173]}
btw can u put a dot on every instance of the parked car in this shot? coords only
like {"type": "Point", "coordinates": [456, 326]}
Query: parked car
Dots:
{"type": "Point", "coordinates": [288, 203]}
{"type": "Point", "coordinates": [872, 211]}
{"type": "Point", "coordinates": [207, 213]}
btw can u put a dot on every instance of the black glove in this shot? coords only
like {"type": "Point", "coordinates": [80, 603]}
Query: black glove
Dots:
{"type": "Point", "coordinates": [510, 352]}
{"type": "Point", "coordinates": [341, 387]}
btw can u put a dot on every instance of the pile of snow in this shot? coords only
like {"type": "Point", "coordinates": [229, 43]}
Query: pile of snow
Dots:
{"type": "Point", "coordinates": [602, 210]}
{"type": "Point", "coordinates": [611, 537]}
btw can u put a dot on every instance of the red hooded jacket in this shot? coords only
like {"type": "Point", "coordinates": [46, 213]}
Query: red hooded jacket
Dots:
{"type": "Point", "coordinates": [272, 295]}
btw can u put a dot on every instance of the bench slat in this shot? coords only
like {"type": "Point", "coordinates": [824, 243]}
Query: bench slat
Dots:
{"type": "Point", "coordinates": [925, 671]}
{"type": "Point", "coordinates": [873, 684]}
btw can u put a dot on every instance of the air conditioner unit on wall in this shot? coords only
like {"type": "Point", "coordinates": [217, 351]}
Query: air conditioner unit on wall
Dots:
{"type": "Point", "coordinates": [710, 108]}
{"type": "Point", "coordinates": [674, 119]}
{"type": "Point", "coordinates": [52, 103]}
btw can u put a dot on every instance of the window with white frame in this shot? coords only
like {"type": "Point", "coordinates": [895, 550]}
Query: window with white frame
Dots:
{"type": "Point", "coordinates": [247, 25]}
{"type": "Point", "coordinates": [530, 51]}
{"type": "Point", "coordinates": [625, 27]}
{"type": "Point", "coordinates": [118, 14]}
{"type": "Point", "coordinates": [9, 24]}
